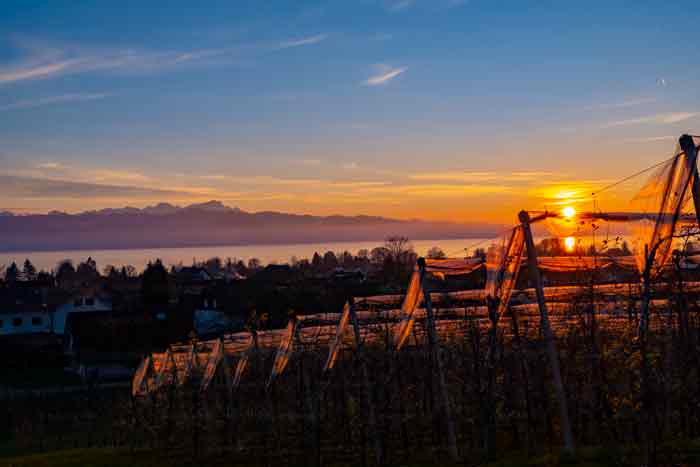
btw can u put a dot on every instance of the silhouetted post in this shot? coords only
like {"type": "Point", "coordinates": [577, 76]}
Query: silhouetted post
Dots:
{"type": "Point", "coordinates": [437, 358]}
{"type": "Point", "coordinates": [688, 146]}
{"type": "Point", "coordinates": [691, 157]}
{"type": "Point", "coordinates": [534, 272]}
{"type": "Point", "coordinates": [367, 387]}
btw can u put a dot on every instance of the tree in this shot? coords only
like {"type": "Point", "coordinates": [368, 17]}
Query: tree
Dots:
{"type": "Point", "coordinates": [65, 270]}
{"type": "Point", "coordinates": [398, 247]}
{"type": "Point", "coordinates": [155, 285]}
{"type": "Point", "coordinates": [128, 271]}
{"type": "Point", "coordinates": [436, 253]}
{"type": "Point", "coordinates": [213, 265]}
{"type": "Point", "coordinates": [12, 273]}
{"type": "Point", "coordinates": [330, 261]}
{"type": "Point", "coordinates": [65, 273]}
{"type": "Point", "coordinates": [254, 264]}
{"type": "Point", "coordinates": [28, 271]}
{"type": "Point", "coordinates": [378, 255]}
{"type": "Point", "coordinates": [88, 269]}
{"type": "Point", "coordinates": [400, 259]}
{"type": "Point", "coordinates": [317, 261]}
{"type": "Point", "coordinates": [110, 271]}
{"type": "Point", "coordinates": [346, 260]}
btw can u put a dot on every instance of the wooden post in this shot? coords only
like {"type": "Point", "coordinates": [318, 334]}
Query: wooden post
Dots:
{"type": "Point", "coordinates": [369, 393]}
{"type": "Point", "coordinates": [534, 272]}
{"type": "Point", "coordinates": [688, 146]}
{"type": "Point", "coordinates": [437, 359]}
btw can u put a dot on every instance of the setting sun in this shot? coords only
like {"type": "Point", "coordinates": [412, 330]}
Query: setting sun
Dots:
{"type": "Point", "coordinates": [568, 212]}
{"type": "Point", "coordinates": [569, 243]}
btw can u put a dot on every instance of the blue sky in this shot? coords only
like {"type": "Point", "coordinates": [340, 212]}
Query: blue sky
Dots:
{"type": "Point", "coordinates": [437, 109]}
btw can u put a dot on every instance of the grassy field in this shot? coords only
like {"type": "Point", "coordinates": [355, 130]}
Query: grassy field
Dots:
{"type": "Point", "coordinates": [679, 453]}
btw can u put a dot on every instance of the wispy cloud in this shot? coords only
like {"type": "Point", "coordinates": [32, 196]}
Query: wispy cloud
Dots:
{"type": "Point", "coordinates": [473, 177]}
{"type": "Point", "coordinates": [303, 41]}
{"type": "Point", "coordinates": [42, 60]}
{"type": "Point", "coordinates": [622, 104]}
{"type": "Point", "coordinates": [650, 139]}
{"type": "Point", "coordinates": [385, 76]}
{"type": "Point", "coordinates": [350, 166]}
{"type": "Point", "coordinates": [52, 100]}
{"type": "Point", "coordinates": [662, 119]}
{"type": "Point", "coordinates": [398, 5]}
{"type": "Point", "coordinates": [50, 166]}
{"type": "Point", "coordinates": [116, 176]}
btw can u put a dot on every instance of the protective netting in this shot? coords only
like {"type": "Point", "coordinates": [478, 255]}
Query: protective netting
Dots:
{"type": "Point", "coordinates": [452, 266]}
{"type": "Point", "coordinates": [242, 364]}
{"type": "Point", "coordinates": [283, 352]}
{"type": "Point", "coordinates": [410, 303]}
{"type": "Point", "coordinates": [503, 261]}
{"type": "Point", "coordinates": [138, 386]}
{"type": "Point", "coordinates": [337, 341]}
{"type": "Point", "coordinates": [664, 197]}
{"type": "Point", "coordinates": [214, 361]}
{"type": "Point", "coordinates": [620, 243]}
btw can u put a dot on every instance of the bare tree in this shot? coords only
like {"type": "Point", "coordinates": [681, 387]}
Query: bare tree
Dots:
{"type": "Point", "coordinates": [399, 248]}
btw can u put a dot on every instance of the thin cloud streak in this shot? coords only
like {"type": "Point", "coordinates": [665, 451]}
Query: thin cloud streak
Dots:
{"type": "Point", "coordinates": [458, 176]}
{"type": "Point", "coordinates": [623, 104]}
{"type": "Point", "coordinates": [303, 41]}
{"type": "Point", "coordinates": [384, 78]}
{"type": "Point", "coordinates": [44, 60]}
{"type": "Point", "coordinates": [399, 5]}
{"type": "Point", "coordinates": [51, 100]}
{"type": "Point", "coordinates": [661, 119]}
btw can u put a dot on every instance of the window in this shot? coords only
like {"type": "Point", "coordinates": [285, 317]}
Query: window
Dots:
{"type": "Point", "coordinates": [16, 322]}
{"type": "Point", "coordinates": [36, 321]}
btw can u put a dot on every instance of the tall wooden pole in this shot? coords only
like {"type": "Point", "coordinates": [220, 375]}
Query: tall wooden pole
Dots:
{"type": "Point", "coordinates": [688, 146]}
{"type": "Point", "coordinates": [547, 330]}
{"type": "Point", "coordinates": [369, 393]}
{"type": "Point", "coordinates": [437, 359]}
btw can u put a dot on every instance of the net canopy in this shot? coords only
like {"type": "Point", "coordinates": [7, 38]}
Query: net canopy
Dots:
{"type": "Point", "coordinates": [503, 260]}
{"type": "Point", "coordinates": [665, 196]}
{"type": "Point", "coordinates": [634, 239]}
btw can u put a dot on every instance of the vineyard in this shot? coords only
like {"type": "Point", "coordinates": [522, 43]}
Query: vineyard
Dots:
{"type": "Point", "coordinates": [434, 377]}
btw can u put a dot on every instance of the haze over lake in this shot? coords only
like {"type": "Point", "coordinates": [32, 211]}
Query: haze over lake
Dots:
{"type": "Point", "coordinates": [265, 253]}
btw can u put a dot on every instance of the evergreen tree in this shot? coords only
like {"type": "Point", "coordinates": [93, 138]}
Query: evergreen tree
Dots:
{"type": "Point", "coordinates": [154, 285]}
{"type": "Point", "coordinates": [28, 271]}
{"type": "Point", "coordinates": [12, 273]}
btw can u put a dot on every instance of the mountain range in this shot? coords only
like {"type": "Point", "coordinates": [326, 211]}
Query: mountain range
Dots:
{"type": "Point", "coordinates": [208, 224]}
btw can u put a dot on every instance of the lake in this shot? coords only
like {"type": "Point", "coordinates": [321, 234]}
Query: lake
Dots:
{"type": "Point", "coordinates": [138, 258]}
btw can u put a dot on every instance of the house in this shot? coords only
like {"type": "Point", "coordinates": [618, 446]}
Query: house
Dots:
{"type": "Point", "coordinates": [86, 301]}
{"type": "Point", "coordinates": [25, 310]}
{"type": "Point", "coordinates": [215, 312]}
{"type": "Point", "coordinates": [28, 310]}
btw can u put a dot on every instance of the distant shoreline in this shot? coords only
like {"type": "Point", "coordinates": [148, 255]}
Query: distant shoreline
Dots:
{"type": "Point", "coordinates": [233, 244]}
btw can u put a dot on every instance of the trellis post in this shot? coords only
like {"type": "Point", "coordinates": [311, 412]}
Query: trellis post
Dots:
{"type": "Point", "coordinates": [437, 358]}
{"type": "Point", "coordinates": [688, 146]}
{"type": "Point", "coordinates": [536, 279]}
{"type": "Point", "coordinates": [369, 393]}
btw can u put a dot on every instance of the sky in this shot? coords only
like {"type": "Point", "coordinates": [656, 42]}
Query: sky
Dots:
{"type": "Point", "coordinates": [461, 110]}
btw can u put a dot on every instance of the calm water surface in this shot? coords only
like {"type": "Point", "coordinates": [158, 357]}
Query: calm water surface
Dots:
{"type": "Point", "coordinates": [266, 253]}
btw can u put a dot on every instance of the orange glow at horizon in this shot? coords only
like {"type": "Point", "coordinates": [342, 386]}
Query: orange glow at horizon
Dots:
{"type": "Point", "coordinates": [569, 243]}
